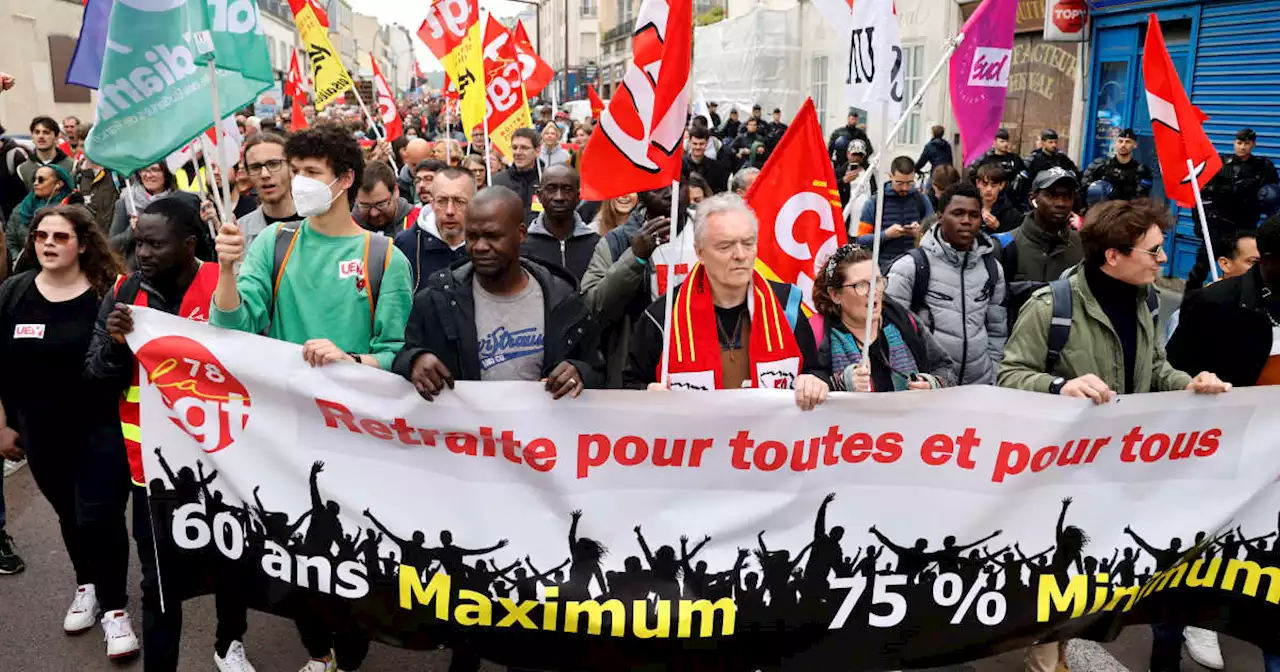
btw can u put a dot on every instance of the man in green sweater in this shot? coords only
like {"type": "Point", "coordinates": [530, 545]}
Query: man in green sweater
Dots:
{"type": "Point", "coordinates": [343, 293]}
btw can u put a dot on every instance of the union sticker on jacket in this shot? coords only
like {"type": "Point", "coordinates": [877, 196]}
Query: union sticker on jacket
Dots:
{"type": "Point", "coordinates": [350, 268]}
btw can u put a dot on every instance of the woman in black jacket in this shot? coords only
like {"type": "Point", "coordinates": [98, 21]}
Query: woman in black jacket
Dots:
{"type": "Point", "coordinates": [65, 424]}
{"type": "Point", "coordinates": [903, 356]}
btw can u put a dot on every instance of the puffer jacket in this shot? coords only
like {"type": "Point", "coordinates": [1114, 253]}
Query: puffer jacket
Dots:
{"type": "Point", "coordinates": [971, 326]}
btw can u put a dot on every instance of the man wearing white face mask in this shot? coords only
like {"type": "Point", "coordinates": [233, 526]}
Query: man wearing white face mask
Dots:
{"type": "Point", "coordinates": [327, 298]}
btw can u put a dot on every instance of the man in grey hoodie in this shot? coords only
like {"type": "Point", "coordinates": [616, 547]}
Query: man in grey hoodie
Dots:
{"type": "Point", "coordinates": [558, 235]}
{"type": "Point", "coordinates": [379, 207]}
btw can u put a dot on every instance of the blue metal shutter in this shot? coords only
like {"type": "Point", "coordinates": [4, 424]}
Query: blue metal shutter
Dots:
{"type": "Point", "coordinates": [1237, 72]}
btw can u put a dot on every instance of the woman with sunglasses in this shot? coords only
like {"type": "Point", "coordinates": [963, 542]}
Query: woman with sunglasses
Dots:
{"type": "Point", "coordinates": [51, 185]}
{"type": "Point", "coordinates": [903, 356]}
{"type": "Point", "coordinates": [47, 315]}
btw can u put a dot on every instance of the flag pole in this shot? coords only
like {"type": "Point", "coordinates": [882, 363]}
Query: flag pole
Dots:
{"type": "Point", "coordinates": [487, 171]}
{"type": "Point", "coordinates": [671, 289]}
{"type": "Point", "coordinates": [217, 130]}
{"type": "Point", "coordinates": [873, 169]}
{"type": "Point", "coordinates": [379, 133]}
{"type": "Point", "coordinates": [1204, 223]}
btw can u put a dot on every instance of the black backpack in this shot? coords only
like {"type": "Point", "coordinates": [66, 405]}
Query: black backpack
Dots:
{"type": "Point", "coordinates": [1060, 324]}
{"type": "Point", "coordinates": [920, 288]}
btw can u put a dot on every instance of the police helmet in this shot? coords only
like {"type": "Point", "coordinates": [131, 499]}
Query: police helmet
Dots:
{"type": "Point", "coordinates": [1269, 200]}
{"type": "Point", "coordinates": [1099, 192]}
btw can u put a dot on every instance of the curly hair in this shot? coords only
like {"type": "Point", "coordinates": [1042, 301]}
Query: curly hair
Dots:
{"type": "Point", "coordinates": [336, 146]}
{"type": "Point", "coordinates": [832, 273]}
{"type": "Point", "coordinates": [100, 265]}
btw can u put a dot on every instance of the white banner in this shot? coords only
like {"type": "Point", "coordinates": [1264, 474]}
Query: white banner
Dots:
{"type": "Point", "coordinates": [983, 518]}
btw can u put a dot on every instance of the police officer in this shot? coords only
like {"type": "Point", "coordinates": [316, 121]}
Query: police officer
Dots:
{"type": "Point", "coordinates": [1048, 157]}
{"type": "Point", "coordinates": [1002, 154]}
{"type": "Point", "coordinates": [1232, 198]}
{"type": "Point", "coordinates": [1121, 177]}
{"type": "Point", "coordinates": [838, 144]}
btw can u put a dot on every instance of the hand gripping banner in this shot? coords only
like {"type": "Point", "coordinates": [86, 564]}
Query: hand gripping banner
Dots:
{"type": "Point", "coordinates": [731, 530]}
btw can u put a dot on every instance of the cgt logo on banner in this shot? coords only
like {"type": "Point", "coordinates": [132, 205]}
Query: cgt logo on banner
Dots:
{"type": "Point", "coordinates": [203, 398]}
{"type": "Point", "coordinates": [879, 531]}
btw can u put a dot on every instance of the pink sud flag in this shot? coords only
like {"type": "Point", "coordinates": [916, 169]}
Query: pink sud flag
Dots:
{"type": "Point", "coordinates": [980, 74]}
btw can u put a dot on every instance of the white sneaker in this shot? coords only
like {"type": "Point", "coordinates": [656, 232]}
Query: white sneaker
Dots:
{"type": "Point", "coordinates": [83, 612]}
{"type": "Point", "coordinates": [11, 467]}
{"type": "Point", "coordinates": [117, 630]}
{"type": "Point", "coordinates": [314, 665]}
{"type": "Point", "coordinates": [1203, 647]}
{"type": "Point", "coordinates": [234, 661]}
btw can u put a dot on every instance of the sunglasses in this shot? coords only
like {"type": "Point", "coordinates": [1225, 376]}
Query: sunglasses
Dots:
{"type": "Point", "coordinates": [59, 237]}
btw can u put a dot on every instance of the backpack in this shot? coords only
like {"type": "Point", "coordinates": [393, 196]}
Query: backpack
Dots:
{"type": "Point", "coordinates": [1060, 324]}
{"type": "Point", "coordinates": [920, 288]}
{"type": "Point", "coordinates": [12, 151]}
{"type": "Point", "coordinates": [375, 246]}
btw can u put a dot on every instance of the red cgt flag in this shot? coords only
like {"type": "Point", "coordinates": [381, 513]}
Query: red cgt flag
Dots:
{"type": "Point", "coordinates": [293, 89]}
{"type": "Point", "coordinates": [387, 112]}
{"type": "Point", "coordinates": [597, 105]}
{"type": "Point", "coordinates": [536, 72]}
{"type": "Point", "coordinates": [796, 201]}
{"type": "Point", "coordinates": [1176, 124]}
{"type": "Point", "coordinates": [637, 146]}
{"type": "Point", "coordinates": [296, 5]}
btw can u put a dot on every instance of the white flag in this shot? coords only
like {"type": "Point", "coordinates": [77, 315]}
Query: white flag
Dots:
{"type": "Point", "coordinates": [873, 70]}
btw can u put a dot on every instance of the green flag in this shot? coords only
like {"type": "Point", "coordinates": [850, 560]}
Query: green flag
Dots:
{"type": "Point", "coordinates": [154, 96]}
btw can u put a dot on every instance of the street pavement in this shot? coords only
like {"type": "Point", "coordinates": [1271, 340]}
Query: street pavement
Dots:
{"type": "Point", "coordinates": [33, 603]}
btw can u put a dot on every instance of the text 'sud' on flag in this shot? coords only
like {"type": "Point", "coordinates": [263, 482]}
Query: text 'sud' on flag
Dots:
{"type": "Point", "coordinates": [332, 81]}
{"type": "Point", "coordinates": [505, 109]}
{"type": "Point", "coordinates": [452, 31]}
{"type": "Point", "coordinates": [154, 95]}
{"type": "Point", "coordinates": [637, 144]}
{"type": "Point", "coordinates": [979, 75]}
{"type": "Point", "coordinates": [1176, 125]}
{"type": "Point", "coordinates": [798, 206]}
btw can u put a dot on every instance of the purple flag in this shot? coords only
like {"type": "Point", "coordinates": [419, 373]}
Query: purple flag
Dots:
{"type": "Point", "coordinates": [980, 74]}
{"type": "Point", "coordinates": [86, 63]}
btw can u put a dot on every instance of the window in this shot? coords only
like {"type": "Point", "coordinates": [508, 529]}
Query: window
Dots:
{"type": "Point", "coordinates": [588, 8]}
{"type": "Point", "coordinates": [913, 77]}
{"type": "Point", "coordinates": [818, 85]}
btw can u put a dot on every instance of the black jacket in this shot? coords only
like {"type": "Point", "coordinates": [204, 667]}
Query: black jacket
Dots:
{"type": "Point", "coordinates": [646, 343]}
{"type": "Point", "coordinates": [427, 254]}
{"type": "Point", "coordinates": [1224, 328]}
{"type": "Point", "coordinates": [714, 171]}
{"type": "Point", "coordinates": [523, 182]}
{"type": "Point", "coordinates": [443, 323]}
{"type": "Point", "coordinates": [572, 254]}
{"type": "Point", "coordinates": [936, 152]}
{"type": "Point", "coordinates": [1042, 160]}
{"type": "Point", "coordinates": [1128, 180]}
{"type": "Point", "coordinates": [849, 133]}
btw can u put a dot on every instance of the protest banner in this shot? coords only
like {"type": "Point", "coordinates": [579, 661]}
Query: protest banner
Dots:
{"type": "Point", "coordinates": [506, 110]}
{"type": "Point", "coordinates": [332, 81]}
{"type": "Point", "coordinates": [620, 529]}
{"type": "Point", "coordinates": [453, 32]}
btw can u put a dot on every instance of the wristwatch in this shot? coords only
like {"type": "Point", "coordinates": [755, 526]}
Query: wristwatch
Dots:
{"type": "Point", "coordinates": [1056, 386]}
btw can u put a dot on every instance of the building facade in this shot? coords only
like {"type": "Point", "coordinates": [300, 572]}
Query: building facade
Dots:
{"type": "Point", "coordinates": [569, 40]}
{"type": "Point", "coordinates": [37, 41]}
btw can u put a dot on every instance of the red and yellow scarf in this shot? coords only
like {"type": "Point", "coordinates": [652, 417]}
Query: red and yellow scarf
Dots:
{"type": "Point", "coordinates": [695, 343]}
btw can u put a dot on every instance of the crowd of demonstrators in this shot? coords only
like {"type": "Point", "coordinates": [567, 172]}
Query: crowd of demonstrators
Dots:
{"type": "Point", "coordinates": [1246, 189]}
{"type": "Point", "coordinates": [482, 270]}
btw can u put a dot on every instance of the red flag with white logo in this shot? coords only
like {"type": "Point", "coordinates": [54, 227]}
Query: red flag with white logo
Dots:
{"type": "Point", "coordinates": [1176, 124]}
{"type": "Point", "coordinates": [636, 146]}
{"type": "Point", "coordinates": [536, 72]}
{"type": "Point", "coordinates": [798, 205]}
{"type": "Point", "coordinates": [387, 112]}
{"type": "Point", "coordinates": [296, 5]}
{"type": "Point", "coordinates": [293, 89]}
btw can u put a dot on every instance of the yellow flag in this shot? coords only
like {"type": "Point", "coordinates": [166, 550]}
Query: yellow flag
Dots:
{"type": "Point", "coordinates": [467, 69]}
{"type": "Point", "coordinates": [327, 71]}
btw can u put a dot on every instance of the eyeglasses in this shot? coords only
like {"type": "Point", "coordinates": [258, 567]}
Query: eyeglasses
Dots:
{"type": "Point", "coordinates": [380, 205]}
{"type": "Point", "coordinates": [1155, 252]}
{"type": "Point", "coordinates": [272, 166]}
{"type": "Point", "coordinates": [40, 179]}
{"type": "Point", "coordinates": [59, 237]}
{"type": "Point", "coordinates": [442, 203]}
{"type": "Point", "coordinates": [864, 288]}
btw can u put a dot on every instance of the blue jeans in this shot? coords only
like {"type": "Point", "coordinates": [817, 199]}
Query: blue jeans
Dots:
{"type": "Point", "coordinates": [1, 494]}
